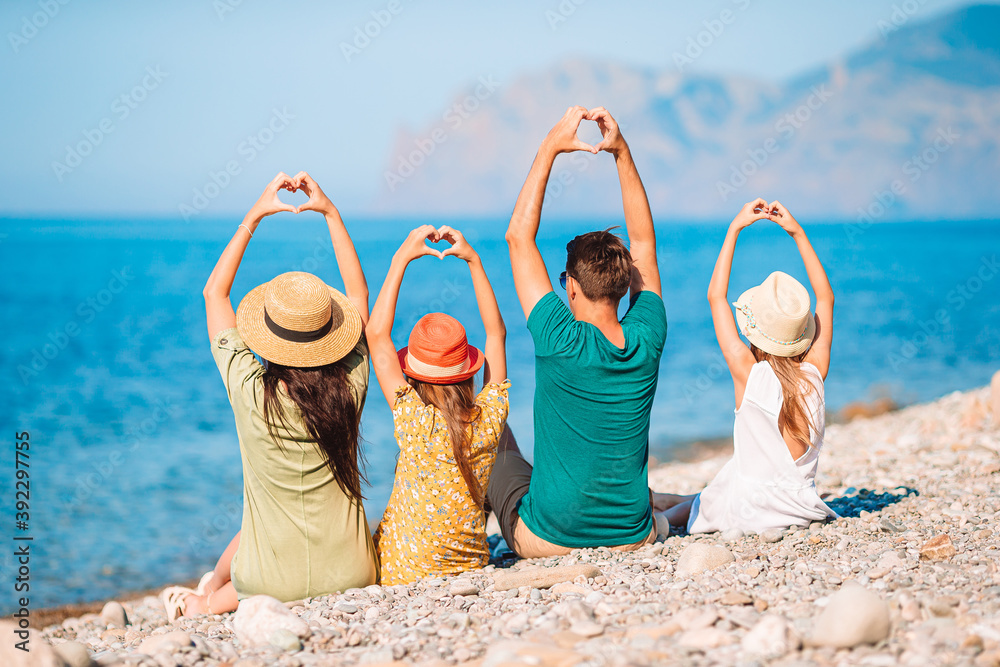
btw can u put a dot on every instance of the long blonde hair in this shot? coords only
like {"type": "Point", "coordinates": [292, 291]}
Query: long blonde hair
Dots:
{"type": "Point", "coordinates": [793, 418]}
{"type": "Point", "coordinates": [457, 402]}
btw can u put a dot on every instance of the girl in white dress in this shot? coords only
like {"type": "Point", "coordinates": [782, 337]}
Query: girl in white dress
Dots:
{"type": "Point", "coordinates": [778, 380]}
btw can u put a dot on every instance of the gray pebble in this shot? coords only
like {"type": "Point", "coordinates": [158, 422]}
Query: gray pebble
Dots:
{"type": "Point", "coordinates": [461, 588]}
{"type": "Point", "coordinates": [286, 640]}
{"type": "Point", "coordinates": [113, 614]}
{"type": "Point", "coordinates": [74, 654]}
{"type": "Point", "coordinates": [772, 535]}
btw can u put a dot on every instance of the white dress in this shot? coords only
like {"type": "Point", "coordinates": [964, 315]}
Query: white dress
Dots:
{"type": "Point", "coordinates": [762, 487]}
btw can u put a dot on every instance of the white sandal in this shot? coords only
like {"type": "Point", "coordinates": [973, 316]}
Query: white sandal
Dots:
{"type": "Point", "coordinates": [205, 578]}
{"type": "Point", "coordinates": [173, 601]}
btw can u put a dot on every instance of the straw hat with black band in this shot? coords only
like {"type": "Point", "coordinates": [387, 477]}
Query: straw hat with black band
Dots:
{"type": "Point", "coordinates": [775, 316]}
{"type": "Point", "coordinates": [298, 320]}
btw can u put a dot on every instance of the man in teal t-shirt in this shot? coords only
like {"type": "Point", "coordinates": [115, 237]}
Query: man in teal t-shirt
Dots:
{"type": "Point", "coordinates": [595, 376]}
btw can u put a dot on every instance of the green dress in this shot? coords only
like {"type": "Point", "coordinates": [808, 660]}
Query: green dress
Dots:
{"type": "Point", "coordinates": [302, 536]}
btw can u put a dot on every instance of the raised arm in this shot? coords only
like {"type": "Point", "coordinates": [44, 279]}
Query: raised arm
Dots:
{"type": "Point", "coordinates": [819, 353]}
{"type": "Point", "coordinates": [638, 218]}
{"type": "Point", "coordinates": [218, 309]}
{"type": "Point", "coordinates": [355, 285]}
{"type": "Point", "coordinates": [531, 279]}
{"type": "Point", "coordinates": [385, 360]}
{"type": "Point", "coordinates": [489, 310]}
{"type": "Point", "coordinates": [737, 355]}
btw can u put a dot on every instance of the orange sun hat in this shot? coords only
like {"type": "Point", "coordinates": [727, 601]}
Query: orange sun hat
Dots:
{"type": "Point", "coordinates": [439, 352]}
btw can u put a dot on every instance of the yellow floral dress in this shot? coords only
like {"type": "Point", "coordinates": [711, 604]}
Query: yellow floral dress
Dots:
{"type": "Point", "coordinates": [431, 526]}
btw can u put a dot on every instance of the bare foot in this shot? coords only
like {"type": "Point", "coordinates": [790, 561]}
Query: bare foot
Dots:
{"type": "Point", "coordinates": [679, 514]}
{"type": "Point", "coordinates": [195, 605]}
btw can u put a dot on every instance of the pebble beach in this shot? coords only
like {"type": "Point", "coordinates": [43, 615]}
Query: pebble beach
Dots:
{"type": "Point", "coordinates": [908, 575]}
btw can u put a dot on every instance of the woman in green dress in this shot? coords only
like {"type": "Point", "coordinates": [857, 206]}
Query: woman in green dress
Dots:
{"type": "Point", "coordinates": [304, 531]}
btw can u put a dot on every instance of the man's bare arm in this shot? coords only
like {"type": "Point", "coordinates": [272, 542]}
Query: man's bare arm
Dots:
{"type": "Point", "coordinates": [531, 278]}
{"type": "Point", "coordinates": [638, 218]}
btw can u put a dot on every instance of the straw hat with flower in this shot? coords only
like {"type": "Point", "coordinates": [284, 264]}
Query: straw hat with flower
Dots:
{"type": "Point", "coordinates": [775, 316]}
{"type": "Point", "coordinates": [298, 320]}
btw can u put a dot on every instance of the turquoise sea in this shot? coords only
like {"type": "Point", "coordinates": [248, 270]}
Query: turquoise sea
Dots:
{"type": "Point", "coordinates": [135, 469]}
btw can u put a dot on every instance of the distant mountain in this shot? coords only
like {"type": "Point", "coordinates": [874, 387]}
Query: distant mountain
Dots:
{"type": "Point", "coordinates": [908, 127]}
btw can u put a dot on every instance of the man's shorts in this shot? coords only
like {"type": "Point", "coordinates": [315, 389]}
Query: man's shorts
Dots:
{"type": "Point", "coordinates": [509, 482]}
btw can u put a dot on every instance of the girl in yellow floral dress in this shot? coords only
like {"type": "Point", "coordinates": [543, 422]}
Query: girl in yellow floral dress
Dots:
{"type": "Point", "coordinates": [434, 524]}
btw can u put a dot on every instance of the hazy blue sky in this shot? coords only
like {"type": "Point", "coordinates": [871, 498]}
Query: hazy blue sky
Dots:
{"type": "Point", "coordinates": [202, 76]}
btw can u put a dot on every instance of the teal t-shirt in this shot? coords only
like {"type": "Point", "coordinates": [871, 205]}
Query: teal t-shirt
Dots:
{"type": "Point", "coordinates": [592, 404]}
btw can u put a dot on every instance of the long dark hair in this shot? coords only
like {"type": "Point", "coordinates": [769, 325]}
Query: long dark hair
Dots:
{"type": "Point", "coordinates": [324, 398]}
{"type": "Point", "coordinates": [793, 417]}
{"type": "Point", "coordinates": [457, 402]}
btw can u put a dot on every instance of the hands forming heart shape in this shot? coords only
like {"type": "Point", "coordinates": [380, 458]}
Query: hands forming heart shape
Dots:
{"type": "Point", "coordinates": [760, 209]}
{"type": "Point", "coordinates": [269, 203]}
{"type": "Point", "coordinates": [416, 243]}
{"type": "Point", "coordinates": [563, 137]}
